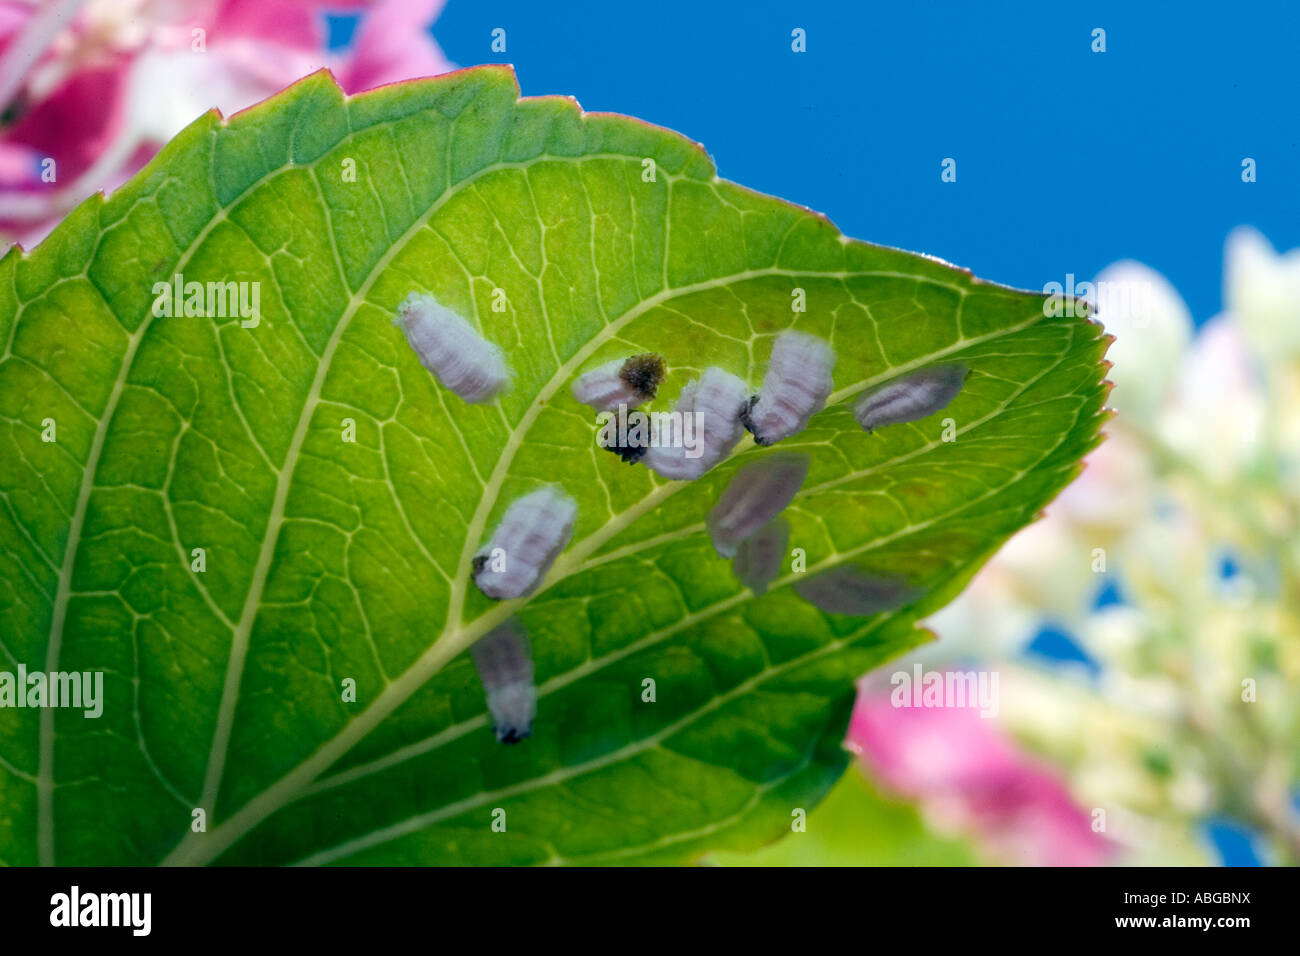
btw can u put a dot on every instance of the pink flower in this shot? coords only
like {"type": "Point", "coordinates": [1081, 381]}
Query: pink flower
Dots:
{"type": "Point", "coordinates": [969, 777]}
{"type": "Point", "coordinates": [393, 44]}
{"type": "Point", "coordinates": [98, 87]}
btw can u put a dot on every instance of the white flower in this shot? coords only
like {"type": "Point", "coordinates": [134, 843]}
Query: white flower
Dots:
{"type": "Point", "coordinates": [1115, 635]}
{"type": "Point", "coordinates": [1216, 417]}
{"type": "Point", "coordinates": [1113, 491]}
{"type": "Point", "coordinates": [1051, 570]}
{"type": "Point", "coordinates": [1262, 289]}
{"type": "Point", "coordinates": [1151, 326]}
{"type": "Point", "coordinates": [1165, 561]}
{"type": "Point", "coordinates": [1042, 572]}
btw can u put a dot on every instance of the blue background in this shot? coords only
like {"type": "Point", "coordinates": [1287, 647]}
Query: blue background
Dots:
{"type": "Point", "coordinates": [1067, 160]}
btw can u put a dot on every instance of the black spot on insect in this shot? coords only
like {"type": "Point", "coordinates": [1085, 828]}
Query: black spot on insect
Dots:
{"type": "Point", "coordinates": [629, 453]}
{"type": "Point", "coordinates": [644, 373]}
{"type": "Point", "coordinates": [746, 419]}
{"type": "Point", "coordinates": [479, 563]}
{"type": "Point", "coordinates": [513, 736]}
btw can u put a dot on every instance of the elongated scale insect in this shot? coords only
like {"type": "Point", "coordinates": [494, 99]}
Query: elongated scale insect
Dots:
{"type": "Point", "coordinates": [846, 589]}
{"type": "Point", "coordinates": [795, 388]}
{"type": "Point", "coordinates": [504, 662]}
{"type": "Point", "coordinates": [757, 493]}
{"type": "Point", "coordinates": [910, 398]}
{"type": "Point", "coordinates": [525, 544]}
{"type": "Point", "coordinates": [760, 556]}
{"type": "Point", "coordinates": [631, 382]}
{"type": "Point", "coordinates": [716, 400]}
{"type": "Point", "coordinates": [450, 348]}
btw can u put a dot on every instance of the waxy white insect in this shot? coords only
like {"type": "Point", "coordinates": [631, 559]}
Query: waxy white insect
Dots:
{"type": "Point", "coordinates": [716, 398]}
{"type": "Point", "coordinates": [534, 530]}
{"type": "Point", "coordinates": [631, 382]}
{"type": "Point", "coordinates": [760, 556]}
{"type": "Point", "coordinates": [795, 388]}
{"type": "Point", "coordinates": [915, 396]}
{"type": "Point", "coordinates": [450, 348]}
{"type": "Point", "coordinates": [504, 662]}
{"type": "Point", "coordinates": [757, 493]}
{"type": "Point", "coordinates": [846, 589]}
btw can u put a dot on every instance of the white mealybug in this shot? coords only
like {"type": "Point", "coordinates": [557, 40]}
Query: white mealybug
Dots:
{"type": "Point", "coordinates": [795, 388]}
{"type": "Point", "coordinates": [709, 408]}
{"type": "Point", "coordinates": [912, 397]}
{"type": "Point", "coordinates": [631, 381]}
{"type": "Point", "coordinates": [760, 556]}
{"type": "Point", "coordinates": [531, 535]}
{"type": "Point", "coordinates": [850, 590]}
{"type": "Point", "coordinates": [504, 662]}
{"type": "Point", "coordinates": [450, 348]}
{"type": "Point", "coordinates": [758, 492]}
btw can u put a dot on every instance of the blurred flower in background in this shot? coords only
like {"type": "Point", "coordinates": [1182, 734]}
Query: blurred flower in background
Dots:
{"type": "Point", "coordinates": [98, 86]}
{"type": "Point", "coordinates": [1170, 568]}
{"type": "Point", "coordinates": [968, 777]}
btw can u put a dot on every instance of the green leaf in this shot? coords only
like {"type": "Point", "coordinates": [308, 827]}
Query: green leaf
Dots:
{"type": "Point", "coordinates": [329, 560]}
